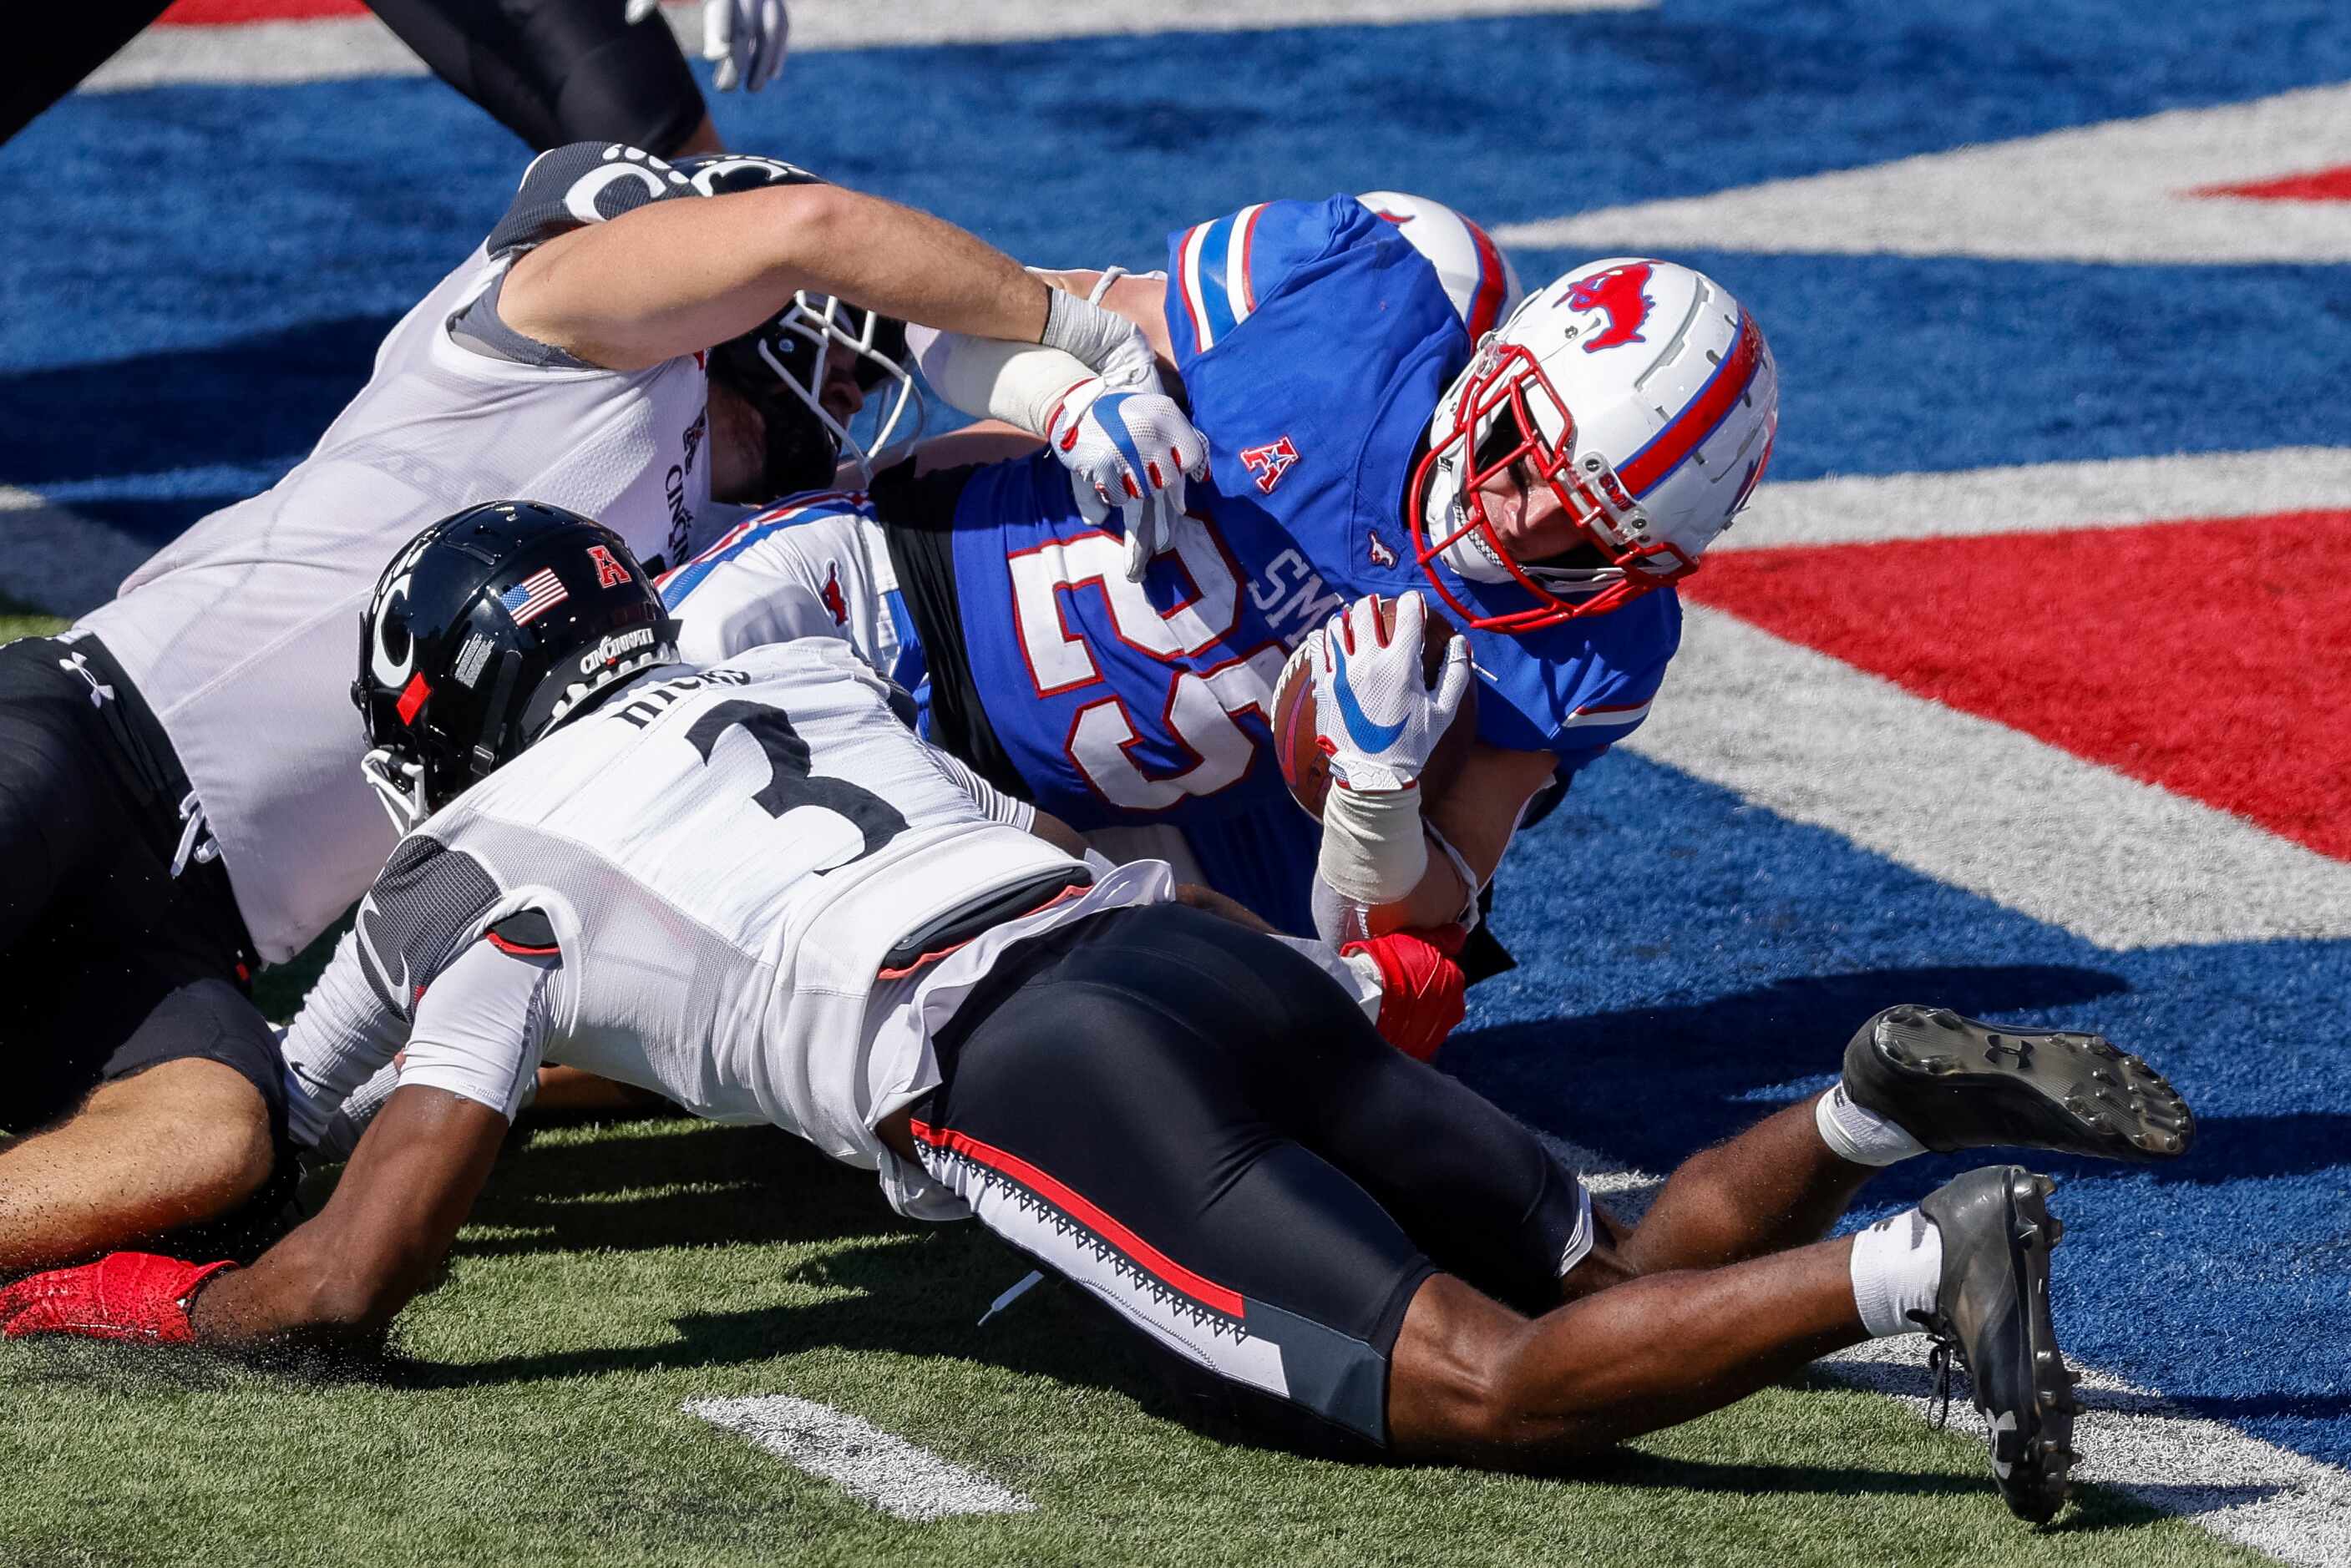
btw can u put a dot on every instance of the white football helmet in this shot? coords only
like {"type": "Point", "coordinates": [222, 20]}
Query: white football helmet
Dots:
{"type": "Point", "coordinates": [1475, 272]}
{"type": "Point", "coordinates": [1643, 394]}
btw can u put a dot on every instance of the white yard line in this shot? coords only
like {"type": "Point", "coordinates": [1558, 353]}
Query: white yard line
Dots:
{"type": "Point", "coordinates": [2257, 1494]}
{"type": "Point", "coordinates": [888, 1472]}
{"type": "Point", "coordinates": [1976, 805]}
{"type": "Point", "coordinates": [2122, 191]}
{"type": "Point", "coordinates": [339, 48]}
{"type": "Point", "coordinates": [2044, 497]}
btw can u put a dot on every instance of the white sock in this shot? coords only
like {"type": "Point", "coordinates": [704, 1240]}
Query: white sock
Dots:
{"type": "Point", "coordinates": [1859, 1134]}
{"type": "Point", "coordinates": [1898, 1268]}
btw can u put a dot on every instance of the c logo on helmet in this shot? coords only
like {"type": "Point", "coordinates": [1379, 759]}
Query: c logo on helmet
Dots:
{"type": "Point", "coordinates": [391, 652]}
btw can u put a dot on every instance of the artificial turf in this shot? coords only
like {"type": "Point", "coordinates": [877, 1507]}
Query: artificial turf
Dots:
{"type": "Point", "coordinates": [531, 1415]}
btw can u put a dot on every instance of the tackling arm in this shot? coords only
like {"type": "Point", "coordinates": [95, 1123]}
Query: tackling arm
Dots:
{"type": "Point", "coordinates": [344, 1274]}
{"type": "Point", "coordinates": [672, 279]}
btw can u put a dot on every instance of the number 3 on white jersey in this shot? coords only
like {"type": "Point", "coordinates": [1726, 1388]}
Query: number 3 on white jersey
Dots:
{"type": "Point", "coordinates": [1202, 707]}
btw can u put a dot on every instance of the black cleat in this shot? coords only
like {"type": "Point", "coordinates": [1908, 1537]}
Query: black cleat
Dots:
{"type": "Point", "coordinates": [1993, 1311]}
{"type": "Point", "coordinates": [1953, 1083]}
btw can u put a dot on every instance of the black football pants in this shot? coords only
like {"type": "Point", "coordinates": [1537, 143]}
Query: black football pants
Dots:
{"type": "Point", "coordinates": [552, 71]}
{"type": "Point", "coordinates": [1193, 1124]}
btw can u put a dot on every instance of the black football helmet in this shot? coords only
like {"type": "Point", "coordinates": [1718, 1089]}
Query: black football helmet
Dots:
{"type": "Point", "coordinates": [780, 365]}
{"type": "Point", "coordinates": [489, 629]}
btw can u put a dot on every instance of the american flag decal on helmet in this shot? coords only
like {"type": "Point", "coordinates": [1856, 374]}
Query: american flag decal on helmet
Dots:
{"type": "Point", "coordinates": [534, 596]}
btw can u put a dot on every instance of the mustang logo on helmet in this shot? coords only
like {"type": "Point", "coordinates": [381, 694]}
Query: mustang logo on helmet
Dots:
{"type": "Point", "coordinates": [1618, 292]}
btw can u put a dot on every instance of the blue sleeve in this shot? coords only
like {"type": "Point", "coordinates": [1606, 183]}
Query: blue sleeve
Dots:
{"type": "Point", "coordinates": [1219, 272]}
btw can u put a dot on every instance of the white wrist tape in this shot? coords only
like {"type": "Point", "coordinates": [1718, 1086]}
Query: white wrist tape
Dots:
{"type": "Point", "coordinates": [1093, 332]}
{"type": "Point", "coordinates": [1374, 851]}
{"type": "Point", "coordinates": [1019, 383]}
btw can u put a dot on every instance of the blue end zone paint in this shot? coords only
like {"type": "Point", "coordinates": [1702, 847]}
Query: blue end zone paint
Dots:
{"type": "Point", "coordinates": [208, 268]}
{"type": "Point", "coordinates": [196, 276]}
{"type": "Point", "coordinates": [1684, 950]}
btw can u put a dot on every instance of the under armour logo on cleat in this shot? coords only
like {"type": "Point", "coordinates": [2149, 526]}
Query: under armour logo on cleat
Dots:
{"type": "Point", "coordinates": [99, 691]}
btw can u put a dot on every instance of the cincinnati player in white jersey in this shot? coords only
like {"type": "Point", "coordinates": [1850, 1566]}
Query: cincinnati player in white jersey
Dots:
{"type": "Point", "coordinates": [178, 798]}
{"type": "Point", "coordinates": [751, 887]}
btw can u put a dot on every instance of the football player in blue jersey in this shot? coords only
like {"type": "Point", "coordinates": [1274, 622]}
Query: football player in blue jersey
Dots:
{"type": "Point", "coordinates": [1543, 483]}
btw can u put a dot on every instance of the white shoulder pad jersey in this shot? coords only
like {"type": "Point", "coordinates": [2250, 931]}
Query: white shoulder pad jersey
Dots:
{"type": "Point", "coordinates": [810, 566]}
{"type": "Point", "coordinates": [242, 633]}
{"type": "Point", "coordinates": [717, 865]}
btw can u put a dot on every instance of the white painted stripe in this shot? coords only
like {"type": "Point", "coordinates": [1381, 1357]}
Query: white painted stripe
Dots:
{"type": "Point", "coordinates": [2255, 1493]}
{"type": "Point", "coordinates": [2123, 191]}
{"type": "Point", "coordinates": [58, 560]}
{"type": "Point", "coordinates": [1976, 804]}
{"type": "Point", "coordinates": [1236, 283]}
{"type": "Point", "coordinates": [876, 1467]}
{"type": "Point", "coordinates": [332, 48]}
{"type": "Point", "coordinates": [2045, 497]}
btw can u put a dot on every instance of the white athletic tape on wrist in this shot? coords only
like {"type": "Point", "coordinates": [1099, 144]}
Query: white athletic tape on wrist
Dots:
{"type": "Point", "coordinates": [1374, 849]}
{"type": "Point", "coordinates": [1079, 326]}
{"type": "Point", "coordinates": [1019, 383]}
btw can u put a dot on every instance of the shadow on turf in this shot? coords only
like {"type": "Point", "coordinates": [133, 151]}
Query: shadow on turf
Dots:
{"type": "Point", "coordinates": [686, 1185]}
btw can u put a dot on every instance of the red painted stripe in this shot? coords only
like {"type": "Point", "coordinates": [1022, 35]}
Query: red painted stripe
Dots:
{"type": "Point", "coordinates": [1248, 290]}
{"type": "Point", "coordinates": [1690, 429]}
{"type": "Point", "coordinates": [2319, 185]}
{"type": "Point", "coordinates": [216, 12]}
{"type": "Point", "coordinates": [1486, 306]}
{"type": "Point", "coordinates": [1169, 1272]}
{"type": "Point", "coordinates": [2207, 656]}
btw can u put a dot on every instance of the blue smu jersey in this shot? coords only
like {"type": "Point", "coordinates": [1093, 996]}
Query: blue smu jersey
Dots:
{"type": "Point", "coordinates": [1313, 344]}
{"type": "Point", "coordinates": [1333, 274]}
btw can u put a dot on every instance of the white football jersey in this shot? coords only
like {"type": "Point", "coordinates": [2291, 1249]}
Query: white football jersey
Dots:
{"type": "Point", "coordinates": [815, 565]}
{"type": "Point", "coordinates": [725, 859]}
{"type": "Point", "coordinates": [242, 633]}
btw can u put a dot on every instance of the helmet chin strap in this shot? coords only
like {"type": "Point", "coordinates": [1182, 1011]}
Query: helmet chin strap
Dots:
{"type": "Point", "coordinates": [399, 788]}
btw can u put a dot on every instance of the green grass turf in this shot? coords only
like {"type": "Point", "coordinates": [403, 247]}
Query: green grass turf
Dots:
{"type": "Point", "coordinates": [614, 1272]}
{"type": "Point", "coordinates": [18, 619]}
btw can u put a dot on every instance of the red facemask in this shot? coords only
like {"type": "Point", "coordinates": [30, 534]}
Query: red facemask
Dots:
{"type": "Point", "coordinates": [1500, 397]}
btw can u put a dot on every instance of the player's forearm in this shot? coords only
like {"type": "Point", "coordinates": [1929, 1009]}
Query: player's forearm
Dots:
{"type": "Point", "coordinates": [341, 1277]}
{"type": "Point", "coordinates": [300, 1290]}
{"type": "Point", "coordinates": [676, 278]}
{"type": "Point", "coordinates": [1436, 899]}
{"type": "Point", "coordinates": [910, 264]}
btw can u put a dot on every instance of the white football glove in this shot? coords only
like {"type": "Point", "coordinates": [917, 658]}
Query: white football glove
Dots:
{"type": "Point", "coordinates": [1374, 715]}
{"type": "Point", "coordinates": [745, 37]}
{"type": "Point", "coordinates": [1128, 452]}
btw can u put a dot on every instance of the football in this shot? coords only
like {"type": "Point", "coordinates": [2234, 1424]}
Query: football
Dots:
{"type": "Point", "coordinates": [1307, 770]}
